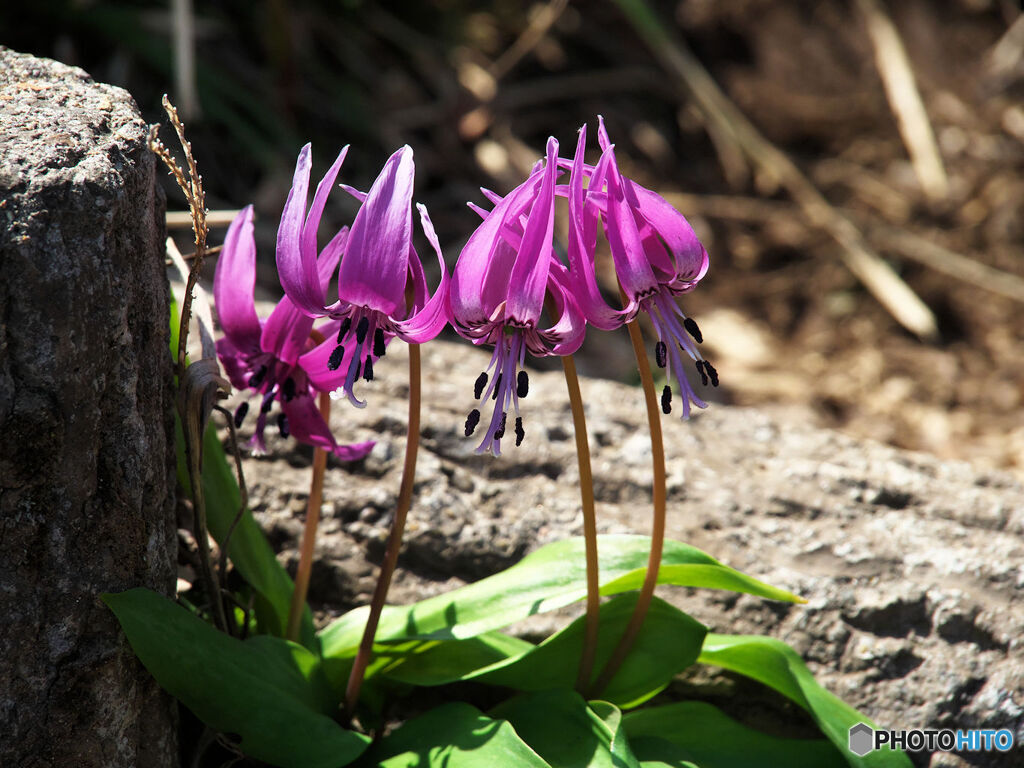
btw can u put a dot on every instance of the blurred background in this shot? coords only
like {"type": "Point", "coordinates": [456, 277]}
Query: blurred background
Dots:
{"type": "Point", "coordinates": [853, 166]}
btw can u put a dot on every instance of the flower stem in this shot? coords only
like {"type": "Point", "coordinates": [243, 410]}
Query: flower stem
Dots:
{"type": "Point", "coordinates": [387, 570]}
{"type": "Point", "coordinates": [579, 423]}
{"type": "Point", "coordinates": [658, 526]}
{"type": "Point", "coordinates": [316, 492]}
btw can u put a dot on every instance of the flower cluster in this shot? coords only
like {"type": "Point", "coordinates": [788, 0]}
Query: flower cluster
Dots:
{"type": "Point", "coordinates": [510, 289]}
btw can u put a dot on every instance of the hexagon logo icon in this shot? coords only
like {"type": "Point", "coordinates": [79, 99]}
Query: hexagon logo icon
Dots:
{"type": "Point", "coordinates": [862, 739]}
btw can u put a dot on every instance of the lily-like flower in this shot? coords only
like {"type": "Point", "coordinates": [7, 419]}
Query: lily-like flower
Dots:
{"type": "Point", "coordinates": [382, 290]}
{"type": "Point", "coordinates": [499, 285]}
{"type": "Point", "coordinates": [657, 256]}
{"type": "Point", "coordinates": [279, 357]}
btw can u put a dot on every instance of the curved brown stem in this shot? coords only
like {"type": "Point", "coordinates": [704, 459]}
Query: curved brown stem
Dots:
{"type": "Point", "coordinates": [658, 526]}
{"type": "Point", "coordinates": [316, 494]}
{"type": "Point", "coordinates": [387, 569]}
{"type": "Point", "coordinates": [579, 423]}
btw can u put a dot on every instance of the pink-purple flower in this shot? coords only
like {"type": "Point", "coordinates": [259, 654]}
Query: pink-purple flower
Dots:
{"type": "Point", "coordinates": [657, 256]}
{"type": "Point", "coordinates": [279, 358]}
{"type": "Point", "coordinates": [382, 289]}
{"type": "Point", "coordinates": [504, 275]}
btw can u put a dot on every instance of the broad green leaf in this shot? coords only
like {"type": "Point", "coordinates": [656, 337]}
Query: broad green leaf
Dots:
{"type": "Point", "coordinates": [453, 735]}
{"type": "Point", "coordinates": [778, 666]}
{"type": "Point", "coordinates": [566, 732]}
{"type": "Point", "coordinates": [694, 731]}
{"type": "Point", "coordinates": [668, 643]}
{"type": "Point", "coordinates": [269, 691]}
{"type": "Point", "coordinates": [547, 579]}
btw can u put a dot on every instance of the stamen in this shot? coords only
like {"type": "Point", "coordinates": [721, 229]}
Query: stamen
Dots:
{"type": "Point", "coordinates": [660, 353]}
{"type": "Point", "coordinates": [334, 362]}
{"type": "Point", "coordinates": [700, 370]}
{"type": "Point", "coordinates": [282, 425]}
{"type": "Point", "coordinates": [343, 331]}
{"type": "Point", "coordinates": [712, 373]}
{"type": "Point", "coordinates": [522, 384]}
{"type": "Point", "coordinates": [520, 432]}
{"type": "Point", "coordinates": [268, 403]}
{"type": "Point", "coordinates": [691, 328]}
{"type": "Point", "coordinates": [478, 388]}
{"type": "Point", "coordinates": [257, 378]}
{"type": "Point", "coordinates": [288, 389]}
{"type": "Point", "coordinates": [240, 414]}
{"type": "Point", "coordinates": [666, 399]}
{"type": "Point", "coordinates": [378, 343]}
{"type": "Point", "coordinates": [501, 427]}
{"type": "Point", "coordinates": [497, 386]}
{"type": "Point", "coordinates": [361, 329]}
{"type": "Point", "coordinates": [471, 421]}
{"type": "Point", "coordinates": [368, 369]}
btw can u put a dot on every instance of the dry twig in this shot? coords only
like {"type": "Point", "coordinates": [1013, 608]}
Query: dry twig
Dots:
{"type": "Point", "coordinates": [877, 276]}
{"type": "Point", "coordinates": [905, 100]}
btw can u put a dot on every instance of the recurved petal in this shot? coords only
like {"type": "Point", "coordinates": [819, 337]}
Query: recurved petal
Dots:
{"type": "Point", "coordinates": [296, 267]}
{"type": "Point", "coordinates": [316, 210]}
{"type": "Point", "coordinates": [233, 283]}
{"type": "Point", "coordinates": [429, 321]}
{"type": "Point", "coordinates": [373, 272]}
{"type": "Point", "coordinates": [530, 272]}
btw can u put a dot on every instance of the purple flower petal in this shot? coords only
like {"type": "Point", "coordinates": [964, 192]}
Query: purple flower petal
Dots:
{"type": "Point", "coordinates": [373, 272]}
{"type": "Point", "coordinates": [233, 283]}
{"type": "Point", "coordinates": [307, 426]}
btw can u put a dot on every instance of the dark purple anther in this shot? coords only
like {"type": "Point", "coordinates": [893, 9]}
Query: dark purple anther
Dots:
{"type": "Point", "coordinates": [378, 343]}
{"type": "Point", "coordinates": [660, 354]}
{"type": "Point", "coordinates": [666, 399]}
{"type": "Point", "coordinates": [288, 389]}
{"type": "Point", "coordinates": [471, 421]}
{"type": "Point", "coordinates": [368, 368]}
{"type": "Point", "coordinates": [520, 432]}
{"type": "Point", "coordinates": [501, 427]}
{"type": "Point", "coordinates": [522, 384]}
{"type": "Point", "coordinates": [361, 329]}
{"type": "Point", "coordinates": [691, 328]}
{"type": "Point", "coordinates": [334, 362]}
{"type": "Point", "coordinates": [478, 387]}
{"type": "Point", "coordinates": [257, 378]}
{"type": "Point", "coordinates": [346, 324]}
{"type": "Point", "coordinates": [240, 412]}
{"type": "Point", "coordinates": [282, 425]}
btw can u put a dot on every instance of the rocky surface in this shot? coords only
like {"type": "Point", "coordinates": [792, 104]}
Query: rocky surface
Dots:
{"type": "Point", "coordinates": [912, 567]}
{"type": "Point", "coordinates": [86, 466]}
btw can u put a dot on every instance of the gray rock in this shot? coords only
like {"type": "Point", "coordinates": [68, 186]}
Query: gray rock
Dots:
{"type": "Point", "coordinates": [912, 567]}
{"type": "Point", "coordinates": [86, 466]}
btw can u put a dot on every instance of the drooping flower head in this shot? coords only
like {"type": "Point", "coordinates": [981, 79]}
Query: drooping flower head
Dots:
{"type": "Point", "coordinates": [657, 256]}
{"type": "Point", "coordinates": [504, 274]}
{"type": "Point", "coordinates": [279, 358]}
{"type": "Point", "coordinates": [382, 289]}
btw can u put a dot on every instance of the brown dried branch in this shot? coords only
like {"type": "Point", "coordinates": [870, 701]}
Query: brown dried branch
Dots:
{"type": "Point", "coordinates": [877, 276]}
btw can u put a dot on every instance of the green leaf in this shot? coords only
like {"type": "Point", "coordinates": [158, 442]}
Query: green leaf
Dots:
{"type": "Point", "coordinates": [269, 691]}
{"type": "Point", "coordinates": [668, 643]}
{"type": "Point", "coordinates": [778, 666]}
{"type": "Point", "coordinates": [454, 735]}
{"type": "Point", "coordinates": [698, 732]}
{"type": "Point", "coordinates": [566, 732]}
{"type": "Point", "coordinates": [547, 579]}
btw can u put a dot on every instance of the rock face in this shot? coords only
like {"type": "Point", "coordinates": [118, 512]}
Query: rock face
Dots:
{"type": "Point", "coordinates": [86, 469]}
{"type": "Point", "coordinates": [912, 566]}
